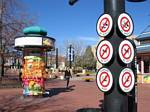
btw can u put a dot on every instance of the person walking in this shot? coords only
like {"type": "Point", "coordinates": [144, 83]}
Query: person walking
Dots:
{"type": "Point", "coordinates": [67, 76]}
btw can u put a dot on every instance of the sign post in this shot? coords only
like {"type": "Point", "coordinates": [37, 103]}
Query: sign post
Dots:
{"type": "Point", "coordinates": [120, 100]}
{"type": "Point", "coordinates": [115, 25]}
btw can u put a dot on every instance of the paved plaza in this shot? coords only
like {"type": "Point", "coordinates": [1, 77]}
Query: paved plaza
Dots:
{"type": "Point", "coordinates": [79, 96]}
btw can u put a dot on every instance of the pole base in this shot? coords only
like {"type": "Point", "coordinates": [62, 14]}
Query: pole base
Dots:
{"type": "Point", "coordinates": [90, 110]}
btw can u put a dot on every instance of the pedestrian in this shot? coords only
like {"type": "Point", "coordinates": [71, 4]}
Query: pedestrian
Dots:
{"type": "Point", "coordinates": [67, 76]}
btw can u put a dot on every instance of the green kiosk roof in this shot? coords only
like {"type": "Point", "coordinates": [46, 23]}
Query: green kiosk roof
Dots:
{"type": "Point", "coordinates": [34, 30]}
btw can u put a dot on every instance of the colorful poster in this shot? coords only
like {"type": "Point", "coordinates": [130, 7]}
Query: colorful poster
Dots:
{"type": "Point", "coordinates": [33, 75]}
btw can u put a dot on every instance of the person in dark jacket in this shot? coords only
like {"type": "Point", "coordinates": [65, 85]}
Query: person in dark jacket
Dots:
{"type": "Point", "coordinates": [67, 76]}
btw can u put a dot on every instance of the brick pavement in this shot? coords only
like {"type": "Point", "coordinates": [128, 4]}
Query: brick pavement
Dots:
{"type": "Point", "coordinates": [80, 95]}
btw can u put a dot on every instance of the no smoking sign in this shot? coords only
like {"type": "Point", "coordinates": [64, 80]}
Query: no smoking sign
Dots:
{"type": "Point", "coordinates": [126, 51]}
{"type": "Point", "coordinates": [104, 79]}
{"type": "Point", "coordinates": [104, 52]}
{"type": "Point", "coordinates": [125, 24]}
{"type": "Point", "coordinates": [126, 80]}
{"type": "Point", "coordinates": [104, 25]}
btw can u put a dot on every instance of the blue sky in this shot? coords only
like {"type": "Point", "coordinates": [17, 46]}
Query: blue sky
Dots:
{"type": "Point", "coordinates": [64, 22]}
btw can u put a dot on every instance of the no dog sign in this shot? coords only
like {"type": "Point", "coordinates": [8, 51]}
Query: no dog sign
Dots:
{"type": "Point", "coordinates": [104, 52]}
{"type": "Point", "coordinates": [126, 51]}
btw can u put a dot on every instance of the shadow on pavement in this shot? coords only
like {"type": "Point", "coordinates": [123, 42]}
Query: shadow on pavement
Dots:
{"type": "Point", "coordinates": [101, 109]}
{"type": "Point", "coordinates": [55, 91]}
{"type": "Point", "coordinates": [89, 110]}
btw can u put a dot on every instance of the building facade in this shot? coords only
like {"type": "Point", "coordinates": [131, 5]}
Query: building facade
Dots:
{"type": "Point", "coordinates": [143, 52]}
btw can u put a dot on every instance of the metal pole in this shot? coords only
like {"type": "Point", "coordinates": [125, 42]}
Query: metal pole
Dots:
{"type": "Point", "coordinates": [115, 100]}
{"type": "Point", "coordinates": [70, 63]}
{"type": "Point", "coordinates": [56, 58]}
{"type": "Point", "coordinates": [133, 94]}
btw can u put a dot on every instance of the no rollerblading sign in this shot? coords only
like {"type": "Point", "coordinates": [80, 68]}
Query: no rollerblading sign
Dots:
{"type": "Point", "coordinates": [104, 25]}
{"type": "Point", "coordinates": [126, 80]}
{"type": "Point", "coordinates": [104, 79]}
{"type": "Point", "coordinates": [126, 51]}
{"type": "Point", "coordinates": [104, 52]}
{"type": "Point", "coordinates": [125, 24]}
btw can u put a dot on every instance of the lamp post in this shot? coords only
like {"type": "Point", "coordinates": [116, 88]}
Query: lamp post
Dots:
{"type": "Point", "coordinates": [70, 55]}
{"type": "Point", "coordinates": [56, 58]}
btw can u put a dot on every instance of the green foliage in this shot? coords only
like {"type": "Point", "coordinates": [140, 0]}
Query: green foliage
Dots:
{"type": "Point", "coordinates": [89, 62]}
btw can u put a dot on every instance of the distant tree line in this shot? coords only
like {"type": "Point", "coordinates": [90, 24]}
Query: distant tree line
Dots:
{"type": "Point", "coordinates": [84, 56]}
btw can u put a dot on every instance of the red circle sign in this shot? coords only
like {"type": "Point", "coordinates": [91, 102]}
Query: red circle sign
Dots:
{"type": "Point", "coordinates": [104, 79]}
{"type": "Point", "coordinates": [104, 52]}
{"type": "Point", "coordinates": [125, 24]}
{"type": "Point", "coordinates": [126, 80]}
{"type": "Point", "coordinates": [104, 25]}
{"type": "Point", "coordinates": [126, 51]}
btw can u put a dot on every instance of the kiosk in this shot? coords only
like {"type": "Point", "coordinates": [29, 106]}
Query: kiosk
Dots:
{"type": "Point", "coordinates": [34, 45]}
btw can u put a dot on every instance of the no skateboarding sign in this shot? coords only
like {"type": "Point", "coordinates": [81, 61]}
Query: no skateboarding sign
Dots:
{"type": "Point", "coordinates": [126, 80]}
{"type": "Point", "coordinates": [104, 79]}
{"type": "Point", "coordinates": [126, 51]}
{"type": "Point", "coordinates": [104, 25]}
{"type": "Point", "coordinates": [104, 52]}
{"type": "Point", "coordinates": [125, 24]}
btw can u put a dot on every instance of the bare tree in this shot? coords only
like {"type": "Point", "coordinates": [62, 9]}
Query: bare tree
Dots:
{"type": "Point", "coordinates": [79, 49]}
{"type": "Point", "coordinates": [12, 21]}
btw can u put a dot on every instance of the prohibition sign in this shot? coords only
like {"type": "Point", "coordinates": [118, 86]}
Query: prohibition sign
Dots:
{"type": "Point", "coordinates": [125, 24]}
{"type": "Point", "coordinates": [104, 25]}
{"type": "Point", "coordinates": [104, 52]}
{"type": "Point", "coordinates": [126, 51]}
{"type": "Point", "coordinates": [126, 80]}
{"type": "Point", "coordinates": [104, 79]}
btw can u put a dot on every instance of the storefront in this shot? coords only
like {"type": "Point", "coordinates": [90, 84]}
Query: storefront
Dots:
{"type": "Point", "coordinates": [143, 52]}
{"type": "Point", "coordinates": [143, 56]}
